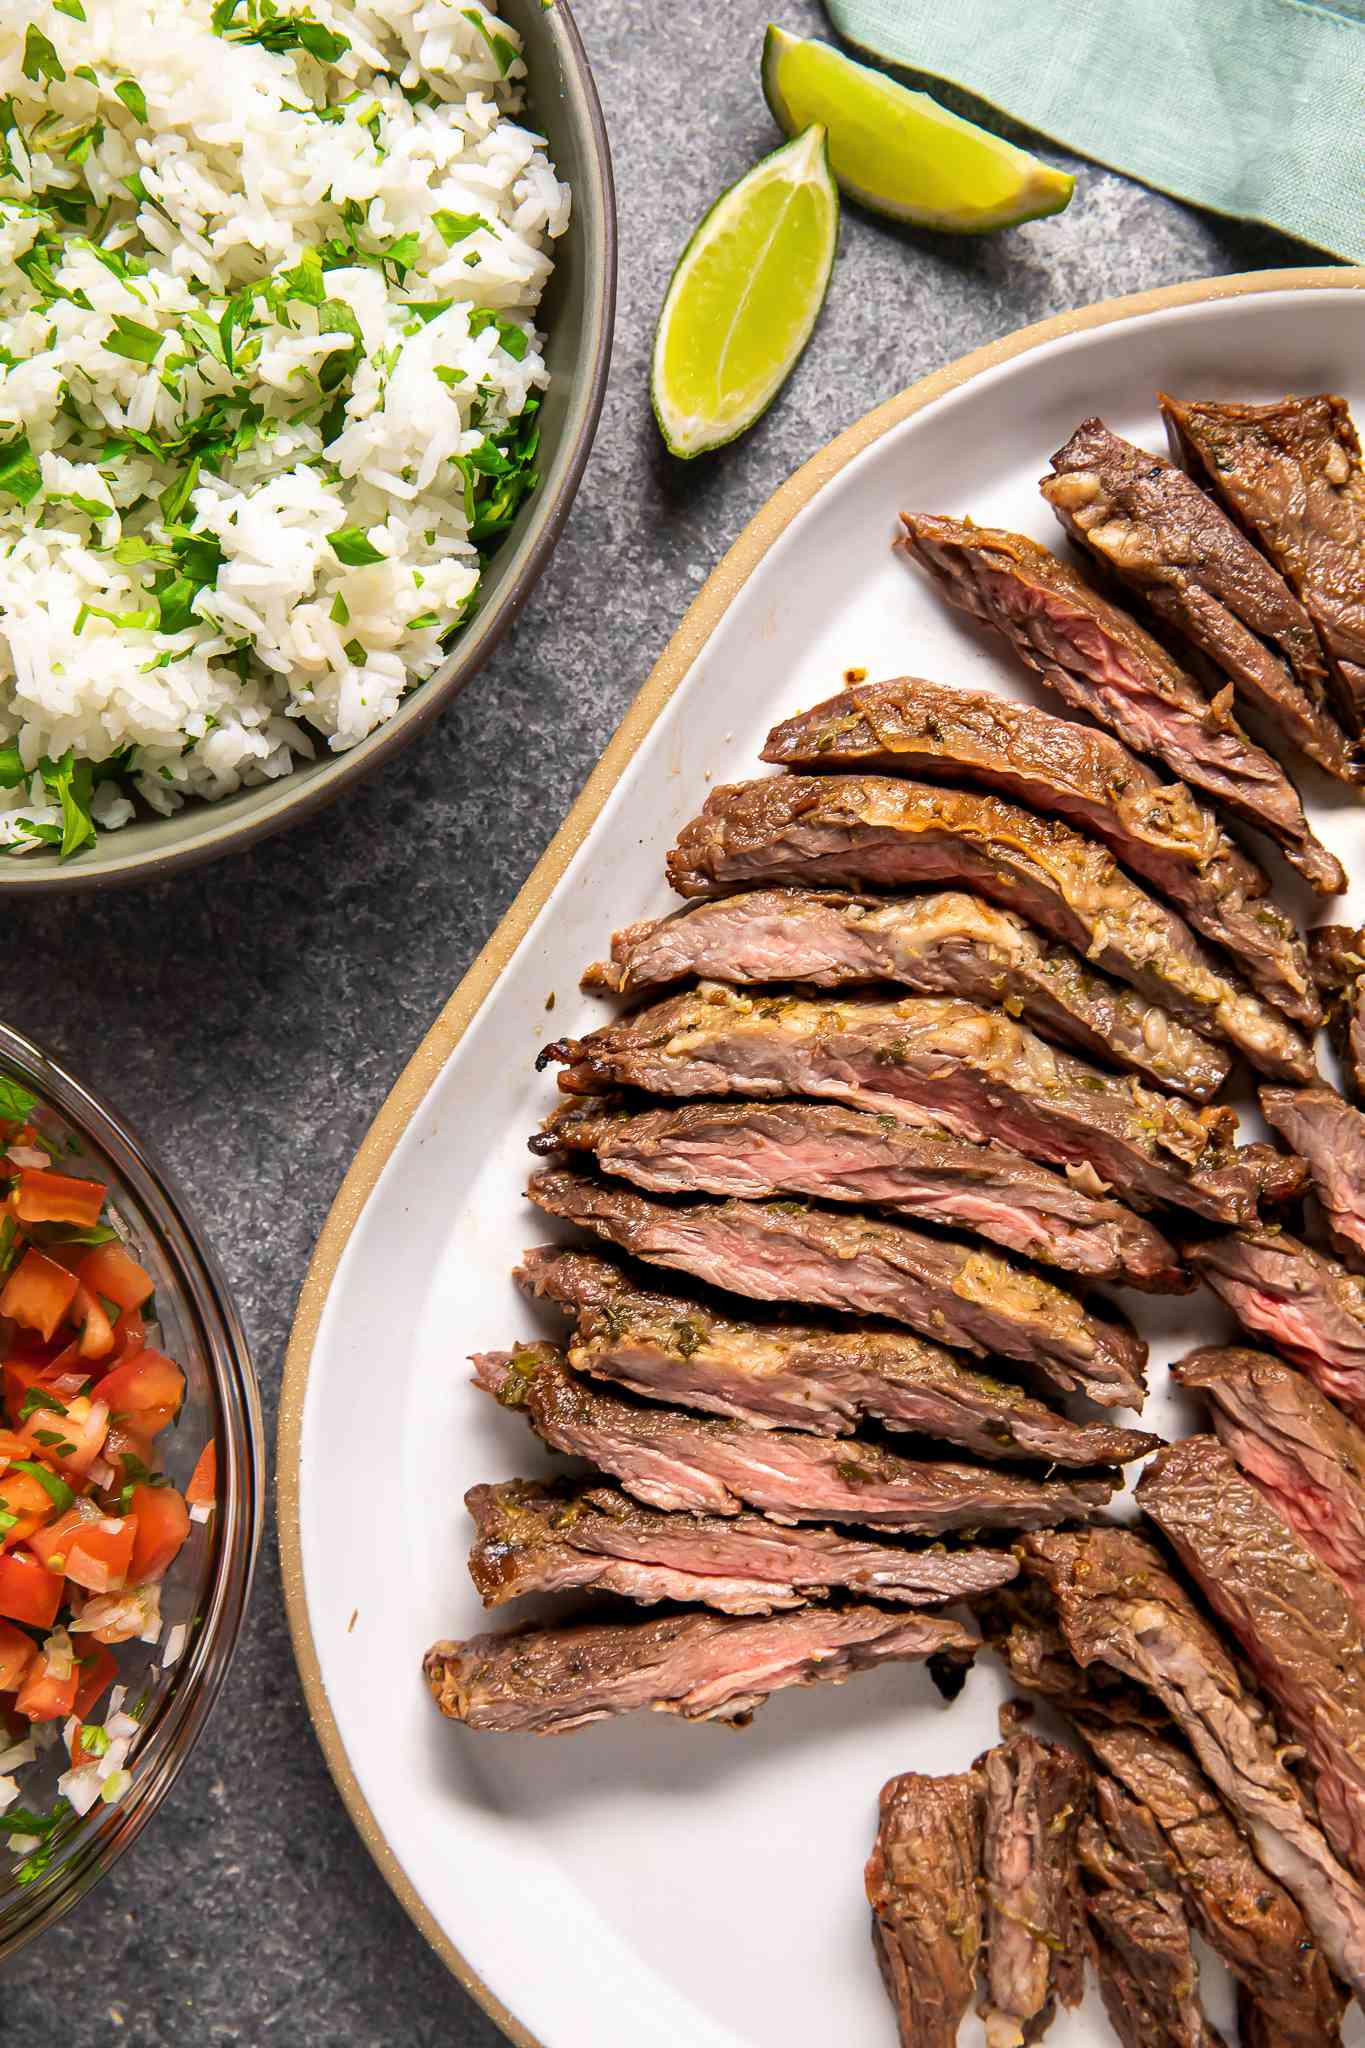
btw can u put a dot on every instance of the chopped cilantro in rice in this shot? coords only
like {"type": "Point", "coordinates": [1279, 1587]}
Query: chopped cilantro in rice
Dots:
{"type": "Point", "coordinates": [268, 381]}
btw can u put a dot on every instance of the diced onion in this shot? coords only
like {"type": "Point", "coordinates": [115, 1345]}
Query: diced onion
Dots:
{"type": "Point", "coordinates": [29, 1155]}
{"type": "Point", "coordinates": [115, 1787]}
{"type": "Point", "coordinates": [59, 1655]}
{"type": "Point", "coordinates": [175, 1644]}
{"type": "Point", "coordinates": [21, 1753]}
{"type": "Point", "coordinates": [21, 1844]}
{"type": "Point", "coordinates": [82, 1788]}
{"type": "Point", "coordinates": [201, 1510]}
{"type": "Point", "coordinates": [9, 1792]}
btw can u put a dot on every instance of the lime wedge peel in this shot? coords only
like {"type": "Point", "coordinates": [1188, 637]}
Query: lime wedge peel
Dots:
{"type": "Point", "coordinates": [900, 153]}
{"type": "Point", "coordinates": [745, 298]}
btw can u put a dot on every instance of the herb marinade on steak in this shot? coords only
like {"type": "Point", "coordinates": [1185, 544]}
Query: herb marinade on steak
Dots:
{"type": "Point", "coordinates": [931, 1060]}
{"type": "Point", "coordinates": [880, 831]}
{"type": "Point", "coordinates": [833, 1154]}
{"type": "Point", "coordinates": [1090, 779]}
{"type": "Point", "coordinates": [532, 1537]}
{"type": "Point", "coordinates": [961, 1295]}
{"type": "Point", "coordinates": [1119, 1605]}
{"type": "Point", "coordinates": [1035, 1795]}
{"type": "Point", "coordinates": [799, 1375]}
{"type": "Point", "coordinates": [1291, 473]}
{"type": "Point", "coordinates": [1165, 538]}
{"type": "Point", "coordinates": [1294, 1619]}
{"type": "Point", "coordinates": [705, 1667]}
{"type": "Point", "coordinates": [921, 1883]}
{"type": "Point", "coordinates": [709, 1465]}
{"type": "Point", "coordinates": [1099, 660]}
{"type": "Point", "coordinates": [944, 942]}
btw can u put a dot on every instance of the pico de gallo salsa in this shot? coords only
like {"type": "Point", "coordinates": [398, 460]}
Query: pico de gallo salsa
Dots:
{"type": "Point", "coordinates": [89, 1523]}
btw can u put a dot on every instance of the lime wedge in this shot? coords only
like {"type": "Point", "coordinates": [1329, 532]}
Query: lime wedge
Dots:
{"type": "Point", "coordinates": [899, 152]}
{"type": "Point", "coordinates": [745, 295]}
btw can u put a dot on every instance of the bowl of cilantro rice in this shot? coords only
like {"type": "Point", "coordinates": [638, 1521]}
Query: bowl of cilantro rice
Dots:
{"type": "Point", "coordinates": [305, 313]}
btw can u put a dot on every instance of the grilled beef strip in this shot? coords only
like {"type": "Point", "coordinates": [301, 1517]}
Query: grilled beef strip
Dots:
{"type": "Point", "coordinates": [883, 831]}
{"type": "Point", "coordinates": [957, 1294]}
{"type": "Point", "coordinates": [933, 1061]}
{"type": "Point", "coordinates": [706, 1667]}
{"type": "Point", "coordinates": [921, 1882]}
{"type": "Point", "coordinates": [1287, 1995]}
{"type": "Point", "coordinates": [672, 1347]}
{"type": "Point", "coordinates": [1035, 1797]}
{"type": "Point", "coordinates": [1118, 1604]}
{"type": "Point", "coordinates": [1149, 1979]}
{"type": "Point", "coordinates": [835, 1154]}
{"type": "Point", "coordinates": [1291, 473]}
{"type": "Point", "coordinates": [1296, 1445]}
{"type": "Point", "coordinates": [1165, 538]}
{"type": "Point", "coordinates": [706, 1465]}
{"type": "Point", "coordinates": [1294, 1619]}
{"type": "Point", "coordinates": [944, 943]}
{"type": "Point", "coordinates": [1336, 955]}
{"type": "Point", "coordinates": [1329, 1134]}
{"type": "Point", "coordinates": [1070, 771]}
{"type": "Point", "coordinates": [1100, 661]}
{"type": "Point", "coordinates": [532, 1537]}
{"type": "Point", "coordinates": [1308, 1306]}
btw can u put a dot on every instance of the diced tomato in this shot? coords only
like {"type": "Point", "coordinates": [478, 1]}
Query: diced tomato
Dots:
{"type": "Point", "coordinates": [17, 1652]}
{"type": "Point", "coordinates": [38, 1293]}
{"type": "Point", "coordinates": [23, 1495]}
{"type": "Point", "coordinates": [91, 1319]}
{"type": "Point", "coordinates": [98, 1669]}
{"type": "Point", "coordinates": [163, 1523]}
{"type": "Point", "coordinates": [72, 1441]}
{"type": "Point", "coordinates": [42, 1197]}
{"type": "Point", "coordinates": [44, 1698]}
{"type": "Point", "coordinates": [22, 1373]}
{"type": "Point", "coordinates": [146, 1390]}
{"type": "Point", "coordinates": [28, 1592]}
{"type": "Point", "coordinates": [109, 1271]}
{"type": "Point", "coordinates": [202, 1490]}
{"type": "Point", "coordinates": [130, 1337]}
{"type": "Point", "coordinates": [12, 1445]}
{"type": "Point", "coordinates": [93, 1550]}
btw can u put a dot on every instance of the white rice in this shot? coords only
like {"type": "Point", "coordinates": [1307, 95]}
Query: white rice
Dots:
{"type": "Point", "coordinates": [287, 643]}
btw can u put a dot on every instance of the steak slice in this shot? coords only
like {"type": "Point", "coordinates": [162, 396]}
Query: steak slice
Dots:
{"type": "Point", "coordinates": [1149, 1979]}
{"type": "Point", "coordinates": [960, 1295]}
{"type": "Point", "coordinates": [705, 1465]}
{"type": "Point", "coordinates": [932, 1061]}
{"type": "Point", "coordinates": [1035, 1796]}
{"type": "Point", "coordinates": [1287, 1997]}
{"type": "Point", "coordinates": [1070, 771]}
{"type": "Point", "coordinates": [861, 830]}
{"type": "Point", "coordinates": [1100, 661]}
{"type": "Point", "coordinates": [1330, 1135]}
{"type": "Point", "coordinates": [1294, 1619]}
{"type": "Point", "coordinates": [848, 1155]}
{"type": "Point", "coordinates": [1307, 1305]}
{"type": "Point", "coordinates": [1336, 955]}
{"type": "Point", "coordinates": [706, 1667]}
{"type": "Point", "coordinates": [1165, 538]}
{"type": "Point", "coordinates": [945, 943]}
{"type": "Point", "coordinates": [921, 1882]}
{"type": "Point", "coordinates": [1291, 473]}
{"type": "Point", "coordinates": [537, 1538]}
{"type": "Point", "coordinates": [673, 1347]}
{"type": "Point", "coordinates": [1301, 1451]}
{"type": "Point", "coordinates": [1119, 1605]}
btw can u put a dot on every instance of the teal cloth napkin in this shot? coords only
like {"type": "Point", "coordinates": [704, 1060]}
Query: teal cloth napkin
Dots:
{"type": "Point", "coordinates": [1251, 107]}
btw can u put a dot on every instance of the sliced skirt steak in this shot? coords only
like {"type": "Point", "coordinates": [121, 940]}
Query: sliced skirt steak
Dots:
{"type": "Point", "coordinates": [922, 1886]}
{"type": "Point", "coordinates": [1329, 1134]}
{"type": "Point", "coordinates": [1307, 1305]}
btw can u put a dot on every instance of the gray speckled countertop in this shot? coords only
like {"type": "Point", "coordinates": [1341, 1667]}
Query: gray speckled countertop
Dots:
{"type": "Point", "coordinates": [250, 1019]}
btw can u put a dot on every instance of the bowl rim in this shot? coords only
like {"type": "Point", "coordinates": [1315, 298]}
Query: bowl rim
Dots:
{"type": "Point", "coordinates": [289, 801]}
{"type": "Point", "coordinates": [236, 1525]}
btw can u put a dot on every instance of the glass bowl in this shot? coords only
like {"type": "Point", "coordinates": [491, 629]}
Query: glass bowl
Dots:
{"type": "Point", "coordinates": [206, 1587]}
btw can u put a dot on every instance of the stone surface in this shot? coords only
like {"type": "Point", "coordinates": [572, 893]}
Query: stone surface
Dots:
{"type": "Point", "coordinates": [249, 1019]}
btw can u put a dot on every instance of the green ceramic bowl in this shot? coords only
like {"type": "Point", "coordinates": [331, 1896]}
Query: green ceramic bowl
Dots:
{"type": "Point", "coordinates": [577, 313]}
